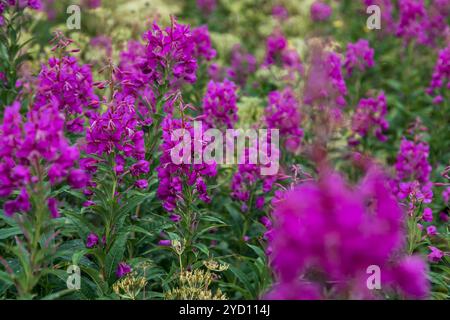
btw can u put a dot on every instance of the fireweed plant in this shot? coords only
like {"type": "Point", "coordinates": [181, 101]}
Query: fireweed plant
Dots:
{"type": "Point", "coordinates": [94, 206]}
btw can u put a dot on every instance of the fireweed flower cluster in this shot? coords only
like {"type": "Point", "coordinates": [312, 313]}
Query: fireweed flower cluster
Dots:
{"type": "Point", "coordinates": [325, 84]}
{"type": "Point", "coordinates": [170, 55]}
{"type": "Point", "coordinates": [172, 176]}
{"type": "Point", "coordinates": [370, 115]}
{"type": "Point", "coordinates": [32, 150]}
{"type": "Point", "coordinates": [413, 172]}
{"type": "Point", "coordinates": [441, 75]}
{"type": "Point", "coordinates": [248, 180]}
{"type": "Point", "coordinates": [4, 5]}
{"type": "Point", "coordinates": [122, 269]}
{"type": "Point", "coordinates": [278, 53]}
{"type": "Point", "coordinates": [248, 185]}
{"type": "Point", "coordinates": [156, 69]}
{"type": "Point", "coordinates": [339, 232]}
{"type": "Point", "coordinates": [219, 105]}
{"type": "Point", "coordinates": [280, 12]}
{"type": "Point", "coordinates": [359, 55]}
{"type": "Point", "coordinates": [283, 113]}
{"type": "Point", "coordinates": [422, 25]}
{"type": "Point", "coordinates": [320, 11]}
{"type": "Point", "coordinates": [135, 81]}
{"type": "Point", "coordinates": [202, 43]}
{"type": "Point", "coordinates": [243, 64]}
{"type": "Point", "coordinates": [116, 132]}
{"type": "Point", "coordinates": [68, 86]}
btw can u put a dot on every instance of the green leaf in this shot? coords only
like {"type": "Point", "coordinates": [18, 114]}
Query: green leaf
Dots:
{"type": "Point", "coordinates": [115, 255]}
{"type": "Point", "coordinates": [5, 233]}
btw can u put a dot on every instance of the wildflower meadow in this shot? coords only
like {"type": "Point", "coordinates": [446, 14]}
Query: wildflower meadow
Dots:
{"type": "Point", "coordinates": [224, 150]}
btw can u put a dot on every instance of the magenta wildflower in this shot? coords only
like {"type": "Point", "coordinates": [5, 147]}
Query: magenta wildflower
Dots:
{"type": "Point", "coordinates": [427, 215]}
{"type": "Point", "coordinates": [359, 55]}
{"type": "Point", "coordinates": [53, 207]}
{"type": "Point", "coordinates": [117, 131]}
{"type": "Point", "coordinates": [412, 161]}
{"type": "Point", "coordinates": [325, 83]}
{"type": "Point", "coordinates": [141, 184]}
{"type": "Point", "coordinates": [320, 11]}
{"type": "Point", "coordinates": [280, 12]}
{"type": "Point", "coordinates": [283, 114]}
{"type": "Point", "coordinates": [122, 269]}
{"type": "Point", "coordinates": [219, 105]}
{"type": "Point", "coordinates": [248, 179]}
{"type": "Point", "coordinates": [171, 52]}
{"type": "Point", "coordinates": [279, 53]}
{"type": "Point", "coordinates": [431, 231]}
{"type": "Point", "coordinates": [339, 231]}
{"type": "Point", "coordinates": [37, 145]}
{"type": "Point", "coordinates": [92, 240]}
{"type": "Point", "coordinates": [441, 75]}
{"type": "Point", "coordinates": [69, 87]}
{"type": "Point", "coordinates": [243, 64]}
{"type": "Point", "coordinates": [413, 173]}
{"type": "Point", "coordinates": [165, 243]}
{"type": "Point", "coordinates": [370, 115]}
{"type": "Point", "coordinates": [435, 255]}
{"type": "Point", "coordinates": [203, 46]}
{"type": "Point", "coordinates": [171, 175]}
{"type": "Point", "coordinates": [416, 23]}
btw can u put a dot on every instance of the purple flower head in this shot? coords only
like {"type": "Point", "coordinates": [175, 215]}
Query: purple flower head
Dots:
{"type": "Point", "coordinates": [279, 53]}
{"type": "Point", "coordinates": [431, 231]}
{"type": "Point", "coordinates": [283, 114]}
{"type": "Point", "coordinates": [435, 255]}
{"type": "Point", "coordinates": [122, 269]}
{"type": "Point", "coordinates": [441, 75]}
{"type": "Point", "coordinates": [320, 11]}
{"type": "Point", "coordinates": [280, 12]}
{"type": "Point", "coordinates": [92, 240]}
{"type": "Point", "coordinates": [359, 55]}
{"type": "Point", "coordinates": [67, 86]}
{"type": "Point", "coordinates": [53, 207]}
{"type": "Point", "coordinates": [117, 131]}
{"type": "Point", "coordinates": [175, 217]}
{"type": "Point", "coordinates": [412, 161]}
{"type": "Point", "coordinates": [219, 105]}
{"type": "Point", "coordinates": [242, 63]}
{"type": "Point", "coordinates": [203, 46]}
{"type": "Point", "coordinates": [171, 175]}
{"type": "Point", "coordinates": [427, 215]}
{"type": "Point", "coordinates": [325, 84]}
{"type": "Point", "coordinates": [141, 184]}
{"type": "Point", "coordinates": [26, 146]}
{"type": "Point", "coordinates": [165, 243]}
{"type": "Point", "coordinates": [421, 24]}
{"type": "Point", "coordinates": [370, 115]}
{"type": "Point", "coordinates": [339, 231]}
{"type": "Point", "coordinates": [171, 52]}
